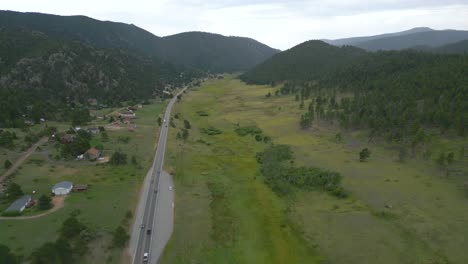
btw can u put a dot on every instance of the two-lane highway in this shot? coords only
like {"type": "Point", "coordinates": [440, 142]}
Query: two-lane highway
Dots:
{"type": "Point", "coordinates": [145, 233]}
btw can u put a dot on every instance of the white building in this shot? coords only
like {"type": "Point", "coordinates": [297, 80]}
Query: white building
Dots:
{"type": "Point", "coordinates": [62, 188]}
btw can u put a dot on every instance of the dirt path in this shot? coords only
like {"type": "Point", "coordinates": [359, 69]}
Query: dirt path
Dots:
{"type": "Point", "coordinates": [23, 158]}
{"type": "Point", "coordinates": [57, 201]}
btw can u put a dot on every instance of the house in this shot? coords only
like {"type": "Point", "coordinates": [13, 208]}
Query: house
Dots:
{"type": "Point", "coordinates": [92, 102]}
{"type": "Point", "coordinates": [127, 114]}
{"type": "Point", "coordinates": [93, 153]}
{"type": "Point", "coordinates": [19, 204]}
{"type": "Point", "coordinates": [93, 130]}
{"type": "Point", "coordinates": [67, 139]}
{"type": "Point", "coordinates": [62, 188]}
{"type": "Point", "coordinates": [80, 188]}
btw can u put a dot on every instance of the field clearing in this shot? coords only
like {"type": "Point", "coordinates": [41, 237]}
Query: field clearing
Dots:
{"type": "Point", "coordinates": [398, 212]}
{"type": "Point", "coordinates": [113, 190]}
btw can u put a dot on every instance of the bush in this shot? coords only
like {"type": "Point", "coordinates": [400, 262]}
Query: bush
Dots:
{"type": "Point", "coordinates": [45, 202]}
{"type": "Point", "coordinates": [187, 124]}
{"type": "Point", "coordinates": [364, 154]}
{"type": "Point", "coordinates": [123, 139]}
{"type": "Point", "coordinates": [275, 165]}
{"type": "Point", "coordinates": [13, 191]}
{"type": "Point", "coordinates": [120, 237]}
{"type": "Point", "coordinates": [248, 130]}
{"type": "Point", "coordinates": [211, 131]}
{"type": "Point", "coordinates": [59, 252]}
{"type": "Point", "coordinates": [7, 164]}
{"type": "Point", "coordinates": [71, 228]}
{"type": "Point", "coordinates": [118, 158]}
{"type": "Point", "coordinates": [6, 256]}
{"type": "Point", "coordinates": [202, 113]}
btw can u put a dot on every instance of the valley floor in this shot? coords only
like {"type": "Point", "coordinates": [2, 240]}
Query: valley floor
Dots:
{"type": "Point", "coordinates": [398, 212]}
{"type": "Point", "coordinates": [109, 201]}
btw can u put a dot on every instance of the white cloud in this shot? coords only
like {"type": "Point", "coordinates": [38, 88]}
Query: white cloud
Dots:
{"type": "Point", "coordinates": [278, 23]}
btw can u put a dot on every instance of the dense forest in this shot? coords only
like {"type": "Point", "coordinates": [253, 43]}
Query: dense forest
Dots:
{"type": "Point", "coordinates": [201, 50]}
{"type": "Point", "coordinates": [396, 94]}
{"type": "Point", "coordinates": [42, 77]}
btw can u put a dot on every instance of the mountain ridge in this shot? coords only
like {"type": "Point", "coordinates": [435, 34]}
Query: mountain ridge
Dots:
{"type": "Point", "coordinates": [107, 34]}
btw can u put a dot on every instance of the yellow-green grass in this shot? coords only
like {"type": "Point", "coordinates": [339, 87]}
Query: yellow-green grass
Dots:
{"type": "Point", "coordinates": [113, 190]}
{"type": "Point", "coordinates": [398, 212]}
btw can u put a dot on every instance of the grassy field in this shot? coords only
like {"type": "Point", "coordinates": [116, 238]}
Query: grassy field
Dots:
{"type": "Point", "coordinates": [113, 191]}
{"type": "Point", "coordinates": [398, 212]}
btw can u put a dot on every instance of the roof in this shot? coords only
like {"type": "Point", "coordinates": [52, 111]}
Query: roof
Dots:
{"type": "Point", "coordinates": [64, 184]}
{"type": "Point", "coordinates": [19, 203]}
{"type": "Point", "coordinates": [93, 151]}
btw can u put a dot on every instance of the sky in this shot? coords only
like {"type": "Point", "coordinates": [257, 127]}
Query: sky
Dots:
{"type": "Point", "coordinates": [280, 24]}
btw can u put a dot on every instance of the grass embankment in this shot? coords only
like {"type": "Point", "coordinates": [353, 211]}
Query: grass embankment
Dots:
{"type": "Point", "coordinates": [398, 212]}
{"type": "Point", "coordinates": [113, 191]}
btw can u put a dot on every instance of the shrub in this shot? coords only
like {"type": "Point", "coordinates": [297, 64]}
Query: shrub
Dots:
{"type": "Point", "coordinates": [364, 154]}
{"type": "Point", "coordinates": [248, 130]}
{"type": "Point", "coordinates": [118, 158]}
{"type": "Point", "coordinates": [45, 202]}
{"type": "Point", "coordinates": [211, 131]}
{"type": "Point", "coordinates": [202, 113]}
{"type": "Point", "coordinates": [120, 237]}
{"type": "Point", "coordinates": [7, 164]}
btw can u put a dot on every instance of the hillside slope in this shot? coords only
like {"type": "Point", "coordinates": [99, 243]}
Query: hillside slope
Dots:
{"type": "Point", "coordinates": [308, 60]}
{"type": "Point", "coordinates": [356, 40]}
{"type": "Point", "coordinates": [215, 52]}
{"type": "Point", "coordinates": [394, 91]}
{"type": "Point", "coordinates": [42, 76]}
{"type": "Point", "coordinates": [197, 49]}
{"type": "Point", "coordinates": [428, 38]}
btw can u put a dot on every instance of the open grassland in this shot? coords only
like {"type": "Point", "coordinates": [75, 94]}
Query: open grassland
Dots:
{"type": "Point", "coordinates": [224, 212]}
{"type": "Point", "coordinates": [114, 190]}
{"type": "Point", "coordinates": [398, 212]}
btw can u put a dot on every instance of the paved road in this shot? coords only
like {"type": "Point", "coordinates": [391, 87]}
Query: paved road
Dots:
{"type": "Point", "coordinates": [155, 210]}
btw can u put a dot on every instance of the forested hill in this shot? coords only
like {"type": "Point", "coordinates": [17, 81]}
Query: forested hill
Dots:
{"type": "Point", "coordinates": [394, 92]}
{"type": "Point", "coordinates": [201, 50]}
{"type": "Point", "coordinates": [43, 77]}
{"type": "Point", "coordinates": [433, 38]}
{"type": "Point", "coordinates": [306, 61]}
{"type": "Point", "coordinates": [216, 52]}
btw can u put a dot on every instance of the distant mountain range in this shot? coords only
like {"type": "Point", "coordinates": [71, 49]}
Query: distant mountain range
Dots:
{"type": "Point", "coordinates": [417, 38]}
{"type": "Point", "coordinates": [195, 49]}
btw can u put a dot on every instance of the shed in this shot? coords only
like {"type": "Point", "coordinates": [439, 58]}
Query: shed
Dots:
{"type": "Point", "coordinates": [62, 188]}
{"type": "Point", "coordinates": [93, 130]}
{"type": "Point", "coordinates": [19, 204]}
{"type": "Point", "coordinates": [81, 187]}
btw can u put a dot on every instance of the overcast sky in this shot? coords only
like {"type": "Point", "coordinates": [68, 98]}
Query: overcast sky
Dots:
{"type": "Point", "coordinates": [277, 23]}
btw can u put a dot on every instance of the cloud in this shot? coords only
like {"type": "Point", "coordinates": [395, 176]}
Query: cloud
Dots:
{"type": "Point", "coordinates": [278, 23]}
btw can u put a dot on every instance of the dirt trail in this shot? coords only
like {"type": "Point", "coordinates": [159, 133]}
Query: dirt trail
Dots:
{"type": "Point", "coordinates": [23, 158]}
{"type": "Point", "coordinates": [57, 201]}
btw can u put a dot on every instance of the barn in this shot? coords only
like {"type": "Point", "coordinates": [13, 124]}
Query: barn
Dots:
{"type": "Point", "coordinates": [62, 188]}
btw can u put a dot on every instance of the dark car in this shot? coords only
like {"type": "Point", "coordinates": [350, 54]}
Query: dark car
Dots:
{"type": "Point", "coordinates": [148, 232]}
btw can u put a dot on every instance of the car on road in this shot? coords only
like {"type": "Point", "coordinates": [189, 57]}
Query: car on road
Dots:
{"type": "Point", "coordinates": [148, 232]}
{"type": "Point", "coordinates": [145, 257]}
{"type": "Point", "coordinates": [142, 226]}
{"type": "Point", "coordinates": [170, 188]}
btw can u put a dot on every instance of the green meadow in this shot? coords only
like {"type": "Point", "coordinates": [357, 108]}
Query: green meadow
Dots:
{"type": "Point", "coordinates": [113, 190]}
{"type": "Point", "coordinates": [411, 211]}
